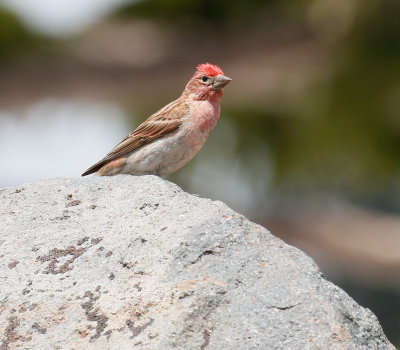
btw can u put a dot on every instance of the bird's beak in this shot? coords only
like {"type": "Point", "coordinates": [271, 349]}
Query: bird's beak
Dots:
{"type": "Point", "coordinates": [220, 81]}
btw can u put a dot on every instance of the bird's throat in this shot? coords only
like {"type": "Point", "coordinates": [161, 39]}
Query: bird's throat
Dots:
{"type": "Point", "coordinates": [210, 95]}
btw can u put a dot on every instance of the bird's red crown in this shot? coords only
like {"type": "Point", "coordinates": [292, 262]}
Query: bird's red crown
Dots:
{"type": "Point", "coordinates": [210, 69]}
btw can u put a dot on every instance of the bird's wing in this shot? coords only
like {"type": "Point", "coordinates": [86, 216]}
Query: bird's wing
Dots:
{"type": "Point", "coordinates": [165, 121]}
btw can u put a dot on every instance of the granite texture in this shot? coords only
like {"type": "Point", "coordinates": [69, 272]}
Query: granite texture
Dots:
{"type": "Point", "coordinates": [136, 263]}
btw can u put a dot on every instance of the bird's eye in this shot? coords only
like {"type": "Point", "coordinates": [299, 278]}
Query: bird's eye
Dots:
{"type": "Point", "coordinates": [204, 78]}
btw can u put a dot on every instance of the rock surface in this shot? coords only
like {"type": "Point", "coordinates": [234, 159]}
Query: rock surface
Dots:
{"type": "Point", "coordinates": [136, 263]}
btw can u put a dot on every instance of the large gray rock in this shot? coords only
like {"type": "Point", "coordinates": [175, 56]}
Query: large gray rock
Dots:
{"type": "Point", "coordinates": [134, 262]}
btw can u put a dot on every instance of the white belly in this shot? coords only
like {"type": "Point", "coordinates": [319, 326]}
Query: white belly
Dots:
{"type": "Point", "coordinates": [165, 155]}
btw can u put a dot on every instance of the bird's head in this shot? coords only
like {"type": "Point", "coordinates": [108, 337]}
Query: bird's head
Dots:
{"type": "Point", "coordinates": [207, 81]}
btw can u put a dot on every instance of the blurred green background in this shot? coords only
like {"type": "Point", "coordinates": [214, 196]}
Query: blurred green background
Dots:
{"type": "Point", "coordinates": [308, 143]}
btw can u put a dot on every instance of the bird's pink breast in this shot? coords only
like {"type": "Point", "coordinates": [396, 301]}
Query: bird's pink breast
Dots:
{"type": "Point", "coordinates": [205, 114]}
{"type": "Point", "coordinates": [172, 151]}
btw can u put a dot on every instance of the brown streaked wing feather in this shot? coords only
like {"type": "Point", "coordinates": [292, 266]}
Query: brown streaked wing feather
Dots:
{"type": "Point", "coordinates": [166, 120]}
{"type": "Point", "coordinates": [163, 122]}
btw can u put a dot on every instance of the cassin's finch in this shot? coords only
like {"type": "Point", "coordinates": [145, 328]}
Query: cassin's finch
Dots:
{"type": "Point", "coordinates": [171, 137]}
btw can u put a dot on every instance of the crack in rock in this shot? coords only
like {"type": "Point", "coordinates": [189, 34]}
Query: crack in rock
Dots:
{"type": "Point", "coordinates": [283, 308]}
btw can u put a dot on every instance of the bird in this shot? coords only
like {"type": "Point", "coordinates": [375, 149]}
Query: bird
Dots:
{"type": "Point", "coordinates": [171, 137]}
